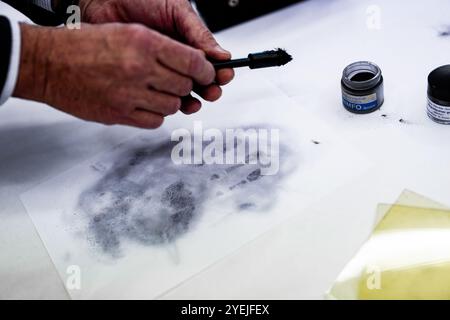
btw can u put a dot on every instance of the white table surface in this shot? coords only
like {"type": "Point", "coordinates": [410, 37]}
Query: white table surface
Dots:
{"type": "Point", "coordinates": [301, 258]}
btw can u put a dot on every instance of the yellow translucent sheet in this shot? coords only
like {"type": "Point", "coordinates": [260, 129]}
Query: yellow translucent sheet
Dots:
{"type": "Point", "coordinates": [407, 256]}
{"type": "Point", "coordinates": [410, 199]}
{"type": "Point", "coordinates": [426, 281]}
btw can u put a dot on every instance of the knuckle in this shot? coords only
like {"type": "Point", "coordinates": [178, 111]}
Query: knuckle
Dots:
{"type": "Point", "coordinates": [173, 105]}
{"type": "Point", "coordinates": [121, 110]}
{"type": "Point", "coordinates": [132, 63]}
{"type": "Point", "coordinates": [132, 66]}
{"type": "Point", "coordinates": [196, 62]}
{"type": "Point", "coordinates": [211, 74]}
{"type": "Point", "coordinates": [206, 35]}
{"type": "Point", "coordinates": [186, 87]}
{"type": "Point", "coordinates": [116, 115]}
{"type": "Point", "coordinates": [136, 32]}
{"type": "Point", "coordinates": [121, 103]}
{"type": "Point", "coordinates": [111, 116]}
{"type": "Point", "coordinates": [155, 122]}
{"type": "Point", "coordinates": [125, 112]}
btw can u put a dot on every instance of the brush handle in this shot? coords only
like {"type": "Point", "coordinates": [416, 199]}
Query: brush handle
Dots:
{"type": "Point", "coordinates": [237, 63]}
{"type": "Point", "coordinates": [259, 60]}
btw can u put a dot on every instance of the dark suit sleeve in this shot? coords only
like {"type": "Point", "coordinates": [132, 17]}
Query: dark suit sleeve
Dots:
{"type": "Point", "coordinates": [36, 14]}
{"type": "Point", "coordinates": [5, 50]}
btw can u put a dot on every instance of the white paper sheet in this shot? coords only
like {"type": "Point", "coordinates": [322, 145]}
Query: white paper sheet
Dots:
{"type": "Point", "coordinates": [108, 218]}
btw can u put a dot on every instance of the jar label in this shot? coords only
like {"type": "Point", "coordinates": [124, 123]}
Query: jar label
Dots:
{"type": "Point", "coordinates": [438, 113]}
{"type": "Point", "coordinates": [360, 103]}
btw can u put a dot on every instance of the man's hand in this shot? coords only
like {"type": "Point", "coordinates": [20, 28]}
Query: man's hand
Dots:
{"type": "Point", "coordinates": [174, 18]}
{"type": "Point", "coordinates": [112, 73]}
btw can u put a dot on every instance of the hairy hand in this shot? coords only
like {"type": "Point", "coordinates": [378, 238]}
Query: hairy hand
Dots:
{"type": "Point", "coordinates": [111, 73]}
{"type": "Point", "coordinates": [174, 18]}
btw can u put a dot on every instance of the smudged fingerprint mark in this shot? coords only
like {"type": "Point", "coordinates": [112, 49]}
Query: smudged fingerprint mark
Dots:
{"type": "Point", "coordinates": [246, 206]}
{"type": "Point", "coordinates": [145, 199]}
{"type": "Point", "coordinates": [215, 177]}
{"type": "Point", "coordinates": [255, 175]}
{"type": "Point", "coordinates": [179, 198]}
{"type": "Point", "coordinates": [239, 184]}
{"type": "Point", "coordinates": [98, 167]}
{"type": "Point", "coordinates": [234, 167]}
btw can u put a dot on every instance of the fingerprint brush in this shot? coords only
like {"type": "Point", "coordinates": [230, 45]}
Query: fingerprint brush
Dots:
{"type": "Point", "coordinates": [266, 59]}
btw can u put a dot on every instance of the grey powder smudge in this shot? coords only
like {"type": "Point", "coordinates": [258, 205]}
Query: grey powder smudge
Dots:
{"type": "Point", "coordinates": [444, 32]}
{"type": "Point", "coordinates": [146, 199]}
{"type": "Point", "coordinates": [247, 205]}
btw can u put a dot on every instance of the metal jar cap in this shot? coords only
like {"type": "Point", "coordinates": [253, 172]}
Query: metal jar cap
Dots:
{"type": "Point", "coordinates": [352, 70]}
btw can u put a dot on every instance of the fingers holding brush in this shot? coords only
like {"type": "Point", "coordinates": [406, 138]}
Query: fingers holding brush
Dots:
{"type": "Point", "coordinates": [213, 91]}
{"type": "Point", "coordinates": [224, 76]}
{"type": "Point", "coordinates": [209, 93]}
{"type": "Point", "coordinates": [190, 105]}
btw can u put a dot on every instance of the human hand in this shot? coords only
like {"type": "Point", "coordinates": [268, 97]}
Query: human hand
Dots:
{"type": "Point", "coordinates": [174, 18]}
{"type": "Point", "coordinates": [112, 73]}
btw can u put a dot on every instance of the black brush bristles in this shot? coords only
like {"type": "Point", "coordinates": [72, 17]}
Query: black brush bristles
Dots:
{"type": "Point", "coordinates": [284, 57]}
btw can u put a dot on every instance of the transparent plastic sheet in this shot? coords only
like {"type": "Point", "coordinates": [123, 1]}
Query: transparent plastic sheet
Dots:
{"type": "Point", "coordinates": [406, 257]}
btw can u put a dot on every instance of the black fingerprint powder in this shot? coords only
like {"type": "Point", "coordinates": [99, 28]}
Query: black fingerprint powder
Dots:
{"type": "Point", "coordinates": [145, 198]}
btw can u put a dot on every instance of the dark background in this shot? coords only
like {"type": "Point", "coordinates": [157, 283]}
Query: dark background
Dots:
{"type": "Point", "coordinates": [220, 14]}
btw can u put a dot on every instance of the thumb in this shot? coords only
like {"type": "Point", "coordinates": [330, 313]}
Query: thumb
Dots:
{"type": "Point", "coordinates": [196, 34]}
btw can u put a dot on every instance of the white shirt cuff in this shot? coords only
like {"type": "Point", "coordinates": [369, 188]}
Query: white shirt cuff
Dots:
{"type": "Point", "coordinates": [14, 62]}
